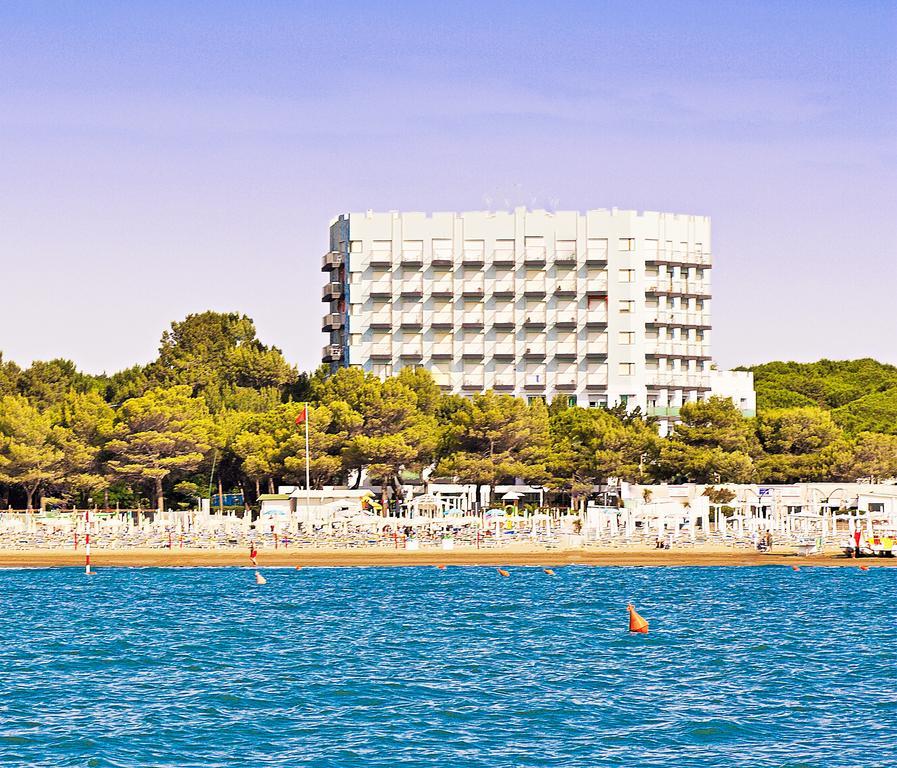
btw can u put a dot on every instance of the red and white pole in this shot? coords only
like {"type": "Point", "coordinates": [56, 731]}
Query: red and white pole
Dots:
{"type": "Point", "coordinates": [87, 541]}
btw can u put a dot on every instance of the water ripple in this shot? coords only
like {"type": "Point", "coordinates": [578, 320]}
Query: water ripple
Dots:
{"type": "Point", "coordinates": [372, 667]}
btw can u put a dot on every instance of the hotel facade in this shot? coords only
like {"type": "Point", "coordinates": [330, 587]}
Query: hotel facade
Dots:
{"type": "Point", "coordinates": [601, 307]}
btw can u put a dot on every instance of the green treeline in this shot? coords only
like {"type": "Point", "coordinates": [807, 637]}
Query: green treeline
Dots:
{"type": "Point", "coordinates": [217, 403]}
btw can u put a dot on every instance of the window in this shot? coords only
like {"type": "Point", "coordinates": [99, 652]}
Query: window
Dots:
{"type": "Point", "coordinates": [535, 399]}
{"type": "Point", "coordinates": [627, 275]}
{"type": "Point", "coordinates": [627, 306]}
{"type": "Point", "coordinates": [626, 369]}
{"type": "Point", "coordinates": [627, 337]}
{"type": "Point", "coordinates": [626, 244]}
{"type": "Point", "coordinates": [355, 246]}
{"type": "Point", "coordinates": [381, 369]}
{"type": "Point", "coordinates": [571, 401]}
{"type": "Point", "coordinates": [597, 303]}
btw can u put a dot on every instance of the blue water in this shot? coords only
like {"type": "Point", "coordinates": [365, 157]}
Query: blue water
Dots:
{"type": "Point", "coordinates": [421, 667]}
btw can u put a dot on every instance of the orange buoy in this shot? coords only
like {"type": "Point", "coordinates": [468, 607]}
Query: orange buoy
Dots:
{"type": "Point", "coordinates": [259, 579]}
{"type": "Point", "coordinates": [298, 567]}
{"type": "Point", "coordinates": [441, 567]}
{"type": "Point", "coordinates": [503, 572]}
{"type": "Point", "coordinates": [636, 622]}
{"type": "Point", "coordinates": [548, 571]}
{"type": "Point", "coordinates": [863, 567]}
{"type": "Point", "coordinates": [795, 567]}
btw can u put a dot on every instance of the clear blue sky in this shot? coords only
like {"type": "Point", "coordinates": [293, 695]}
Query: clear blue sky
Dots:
{"type": "Point", "coordinates": [163, 158]}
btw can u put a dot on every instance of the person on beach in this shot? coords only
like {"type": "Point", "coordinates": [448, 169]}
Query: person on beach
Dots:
{"type": "Point", "coordinates": [253, 554]}
{"type": "Point", "coordinates": [768, 540]}
{"type": "Point", "coordinates": [857, 535]}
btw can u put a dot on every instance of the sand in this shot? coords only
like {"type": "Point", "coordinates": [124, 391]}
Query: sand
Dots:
{"type": "Point", "coordinates": [380, 556]}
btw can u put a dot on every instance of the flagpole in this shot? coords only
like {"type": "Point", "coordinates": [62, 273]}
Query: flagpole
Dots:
{"type": "Point", "coordinates": [307, 473]}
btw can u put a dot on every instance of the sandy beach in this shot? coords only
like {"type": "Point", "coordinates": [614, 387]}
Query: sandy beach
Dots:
{"type": "Point", "coordinates": [635, 556]}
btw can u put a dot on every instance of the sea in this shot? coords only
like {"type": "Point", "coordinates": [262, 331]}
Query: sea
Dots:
{"type": "Point", "coordinates": [456, 668]}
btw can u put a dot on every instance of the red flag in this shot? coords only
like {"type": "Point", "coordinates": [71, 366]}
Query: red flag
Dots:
{"type": "Point", "coordinates": [300, 419]}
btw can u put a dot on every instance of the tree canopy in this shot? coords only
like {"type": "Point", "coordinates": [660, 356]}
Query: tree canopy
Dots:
{"type": "Point", "coordinates": [219, 405]}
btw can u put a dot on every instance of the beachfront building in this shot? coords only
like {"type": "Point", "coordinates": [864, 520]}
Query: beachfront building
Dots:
{"type": "Point", "coordinates": [601, 307]}
{"type": "Point", "coordinates": [738, 386]}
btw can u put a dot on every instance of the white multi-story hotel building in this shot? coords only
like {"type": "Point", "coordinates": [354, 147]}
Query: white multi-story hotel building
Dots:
{"type": "Point", "coordinates": [603, 307]}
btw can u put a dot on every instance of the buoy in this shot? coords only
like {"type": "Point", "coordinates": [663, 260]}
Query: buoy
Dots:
{"type": "Point", "coordinates": [259, 579]}
{"type": "Point", "coordinates": [548, 571]}
{"type": "Point", "coordinates": [503, 572]}
{"type": "Point", "coordinates": [636, 622]}
{"type": "Point", "coordinates": [298, 567]}
{"type": "Point", "coordinates": [795, 567]}
{"type": "Point", "coordinates": [863, 567]}
{"type": "Point", "coordinates": [441, 567]}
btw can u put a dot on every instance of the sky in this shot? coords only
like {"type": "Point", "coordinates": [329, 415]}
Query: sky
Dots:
{"type": "Point", "coordinates": [163, 158]}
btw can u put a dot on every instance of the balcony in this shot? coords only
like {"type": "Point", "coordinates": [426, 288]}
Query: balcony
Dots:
{"type": "Point", "coordinates": [473, 257]}
{"type": "Point", "coordinates": [660, 379]}
{"type": "Point", "coordinates": [534, 381]}
{"type": "Point", "coordinates": [332, 322]}
{"type": "Point", "coordinates": [472, 348]}
{"type": "Point", "coordinates": [565, 318]}
{"type": "Point", "coordinates": [504, 317]}
{"type": "Point", "coordinates": [596, 347]}
{"type": "Point", "coordinates": [412, 286]}
{"type": "Point", "coordinates": [332, 353]}
{"type": "Point", "coordinates": [412, 348]}
{"type": "Point", "coordinates": [596, 379]}
{"type": "Point", "coordinates": [332, 291]}
{"type": "Point", "coordinates": [669, 411]}
{"type": "Point", "coordinates": [534, 349]}
{"type": "Point", "coordinates": [442, 349]}
{"type": "Point", "coordinates": [412, 318]}
{"type": "Point", "coordinates": [565, 349]}
{"type": "Point", "coordinates": [331, 260]}
{"type": "Point", "coordinates": [596, 317]}
{"type": "Point", "coordinates": [504, 286]}
{"type": "Point", "coordinates": [535, 318]}
{"type": "Point", "coordinates": [443, 258]}
{"type": "Point", "coordinates": [503, 381]}
{"type": "Point", "coordinates": [565, 381]}
{"type": "Point", "coordinates": [380, 259]}
{"type": "Point", "coordinates": [567, 286]}
{"type": "Point", "coordinates": [473, 318]}
{"type": "Point", "coordinates": [444, 318]}
{"type": "Point", "coordinates": [534, 286]}
{"type": "Point", "coordinates": [381, 349]}
{"type": "Point", "coordinates": [596, 256]}
{"type": "Point", "coordinates": [381, 287]}
{"type": "Point", "coordinates": [596, 284]}
{"type": "Point", "coordinates": [473, 381]}
{"type": "Point", "coordinates": [504, 350]}
{"type": "Point", "coordinates": [534, 255]}
{"type": "Point", "coordinates": [504, 256]}
{"type": "Point", "coordinates": [381, 317]}
{"type": "Point", "coordinates": [443, 286]}
{"type": "Point", "coordinates": [473, 286]}
{"type": "Point", "coordinates": [565, 256]}
{"type": "Point", "coordinates": [412, 257]}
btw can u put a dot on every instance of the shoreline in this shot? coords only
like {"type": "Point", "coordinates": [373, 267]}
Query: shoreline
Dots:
{"type": "Point", "coordinates": [372, 557]}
